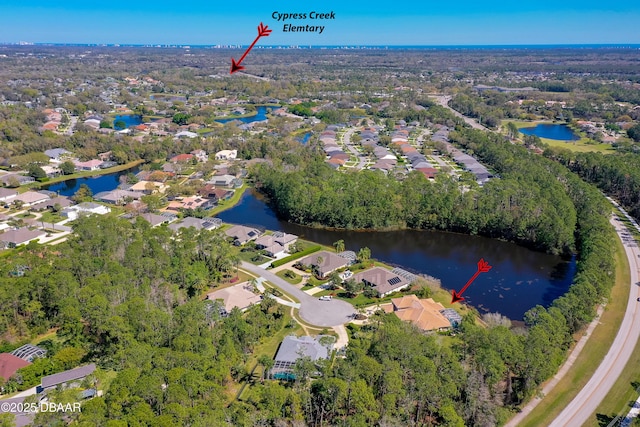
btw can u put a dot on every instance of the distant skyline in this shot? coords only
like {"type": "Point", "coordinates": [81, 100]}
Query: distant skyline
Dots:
{"type": "Point", "coordinates": [356, 22]}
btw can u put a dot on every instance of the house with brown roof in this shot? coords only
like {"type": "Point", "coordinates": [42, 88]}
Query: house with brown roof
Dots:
{"type": "Point", "coordinates": [426, 314]}
{"type": "Point", "coordinates": [182, 158]}
{"type": "Point", "coordinates": [324, 262]}
{"type": "Point", "coordinates": [9, 364]}
{"type": "Point", "coordinates": [384, 281]}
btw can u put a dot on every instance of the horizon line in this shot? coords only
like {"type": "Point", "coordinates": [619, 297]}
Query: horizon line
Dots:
{"type": "Point", "coordinates": [331, 46]}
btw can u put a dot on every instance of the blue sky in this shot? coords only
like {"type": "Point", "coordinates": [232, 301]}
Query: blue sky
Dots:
{"type": "Point", "coordinates": [461, 22]}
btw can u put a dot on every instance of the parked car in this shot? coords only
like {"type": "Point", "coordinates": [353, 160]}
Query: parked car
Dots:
{"type": "Point", "coordinates": [325, 298]}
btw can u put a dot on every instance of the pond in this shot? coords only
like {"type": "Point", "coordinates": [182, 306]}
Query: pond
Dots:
{"type": "Point", "coordinates": [97, 184]}
{"type": "Point", "coordinates": [551, 131]}
{"type": "Point", "coordinates": [261, 115]}
{"type": "Point", "coordinates": [128, 119]}
{"type": "Point", "coordinates": [519, 280]}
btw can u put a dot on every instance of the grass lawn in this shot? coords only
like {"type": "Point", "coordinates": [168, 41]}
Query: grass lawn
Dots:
{"type": "Point", "coordinates": [223, 205]}
{"type": "Point", "coordinates": [254, 257]}
{"type": "Point", "coordinates": [62, 178]}
{"type": "Point", "coordinates": [589, 359]}
{"type": "Point", "coordinates": [289, 276]}
{"type": "Point", "coordinates": [51, 217]}
{"type": "Point", "coordinates": [580, 146]}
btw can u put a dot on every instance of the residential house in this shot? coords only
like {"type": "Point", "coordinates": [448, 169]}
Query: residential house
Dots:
{"type": "Point", "coordinates": [7, 195]}
{"type": "Point", "coordinates": [9, 364]}
{"type": "Point", "coordinates": [155, 220]}
{"type": "Point", "coordinates": [426, 314]}
{"type": "Point", "coordinates": [67, 379]}
{"type": "Point", "coordinates": [86, 208]}
{"type": "Point", "coordinates": [58, 155]}
{"type": "Point", "coordinates": [215, 194]}
{"type": "Point", "coordinates": [227, 155]}
{"type": "Point", "coordinates": [148, 187]}
{"type": "Point", "coordinates": [186, 134]}
{"type": "Point", "coordinates": [182, 158]}
{"type": "Point", "coordinates": [117, 197]}
{"type": "Point", "coordinates": [29, 352]}
{"type": "Point", "coordinates": [30, 198]}
{"type": "Point", "coordinates": [276, 243]}
{"type": "Point", "coordinates": [384, 281]}
{"type": "Point", "coordinates": [61, 201]}
{"type": "Point", "coordinates": [197, 223]}
{"type": "Point", "coordinates": [14, 179]}
{"type": "Point", "coordinates": [201, 155]}
{"type": "Point", "coordinates": [19, 236]}
{"type": "Point", "coordinates": [91, 165]}
{"type": "Point", "coordinates": [241, 296]}
{"type": "Point", "coordinates": [324, 262]}
{"type": "Point", "coordinates": [242, 234]}
{"type": "Point", "coordinates": [294, 348]}
{"type": "Point", "coordinates": [223, 180]}
{"type": "Point", "coordinates": [192, 202]}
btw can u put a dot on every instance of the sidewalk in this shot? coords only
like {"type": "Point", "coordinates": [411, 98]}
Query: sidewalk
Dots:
{"type": "Point", "coordinates": [513, 422]}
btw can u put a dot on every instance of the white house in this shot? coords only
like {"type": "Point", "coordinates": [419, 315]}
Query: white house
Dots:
{"type": "Point", "coordinates": [86, 208]}
{"type": "Point", "coordinates": [226, 155]}
{"type": "Point", "coordinates": [7, 195]}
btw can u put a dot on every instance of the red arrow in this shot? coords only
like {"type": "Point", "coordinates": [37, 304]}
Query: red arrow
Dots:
{"type": "Point", "coordinates": [263, 31]}
{"type": "Point", "coordinates": [483, 267]}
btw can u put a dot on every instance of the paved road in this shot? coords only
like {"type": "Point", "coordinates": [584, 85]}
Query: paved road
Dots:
{"type": "Point", "coordinates": [312, 310]}
{"type": "Point", "coordinates": [346, 140]}
{"type": "Point", "coordinates": [612, 366]}
{"type": "Point", "coordinates": [444, 101]}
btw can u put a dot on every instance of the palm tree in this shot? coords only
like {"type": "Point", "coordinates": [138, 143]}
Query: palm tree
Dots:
{"type": "Point", "coordinates": [364, 254]}
{"type": "Point", "coordinates": [339, 245]}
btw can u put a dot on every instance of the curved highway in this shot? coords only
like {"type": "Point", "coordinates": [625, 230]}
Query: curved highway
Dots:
{"type": "Point", "coordinates": [612, 366]}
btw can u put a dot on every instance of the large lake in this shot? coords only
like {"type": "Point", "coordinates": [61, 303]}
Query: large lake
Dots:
{"type": "Point", "coordinates": [551, 131]}
{"type": "Point", "coordinates": [520, 278]}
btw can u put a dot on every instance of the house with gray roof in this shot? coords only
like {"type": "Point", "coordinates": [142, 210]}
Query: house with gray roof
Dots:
{"type": "Point", "coordinates": [117, 197]}
{"type": "Point", "coordinates": [67, 379]}
{"type": "Point", "coordinates": [384, 281]}
{"type": "Point", "coordinates": [324, 262]}
{"type": "Point", "coordinates": [19, 236]}
{"type": "Point", "coordinates": [58, 155]}
{"type": "Point", "coordinates": [294, 348]}
{"type": "Point", "coordinates": [242, 234]}
{"type": "Point", "coordinates": [197, 223]}
{"type": "Point", "coordinates": [7, 195]}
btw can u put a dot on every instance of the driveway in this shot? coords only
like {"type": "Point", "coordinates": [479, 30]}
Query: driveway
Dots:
{"type": "Point", "coordinates": [312, 310]}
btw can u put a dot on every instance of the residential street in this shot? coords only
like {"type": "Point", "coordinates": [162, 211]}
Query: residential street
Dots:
{"type": "Point", "coordinates": [312, 310]}
{"type": "Point", "coordinates": [581, 408]}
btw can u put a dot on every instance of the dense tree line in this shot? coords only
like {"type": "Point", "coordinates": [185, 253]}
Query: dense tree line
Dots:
{"type": "Point", "coordinates": [618, 175]}
{"type": "Point", "coordinates": [528, 208]}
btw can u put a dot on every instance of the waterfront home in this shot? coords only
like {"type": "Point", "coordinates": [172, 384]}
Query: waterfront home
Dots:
{"type": "Point", "coordinates": [426, 314]}
{"type": "Point", "coordinates": [30, 198]}
{"type": "Point", "coordinates": [117, 197]}
{"type": "Point", "coordinates": [91, 165]}
{"type": "Point", "coordinates": [382, 280]}
{"type": "Point", "coordinates": [242, 234]}
{"type": "Point", "coordinates": [324, 262]}
{"type": "Point", "coordinates": [276, 243]}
